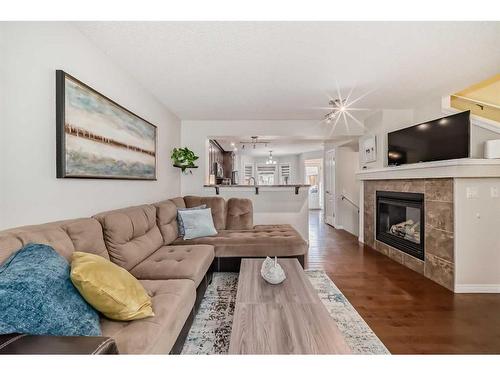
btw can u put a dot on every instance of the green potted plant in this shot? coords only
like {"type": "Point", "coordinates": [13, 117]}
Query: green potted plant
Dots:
{"type": "Point", "coordinates": [184, 158]}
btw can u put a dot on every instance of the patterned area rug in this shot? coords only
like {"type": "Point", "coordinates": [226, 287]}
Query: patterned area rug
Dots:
{"type": "Point", "coordinates": [211, 329]}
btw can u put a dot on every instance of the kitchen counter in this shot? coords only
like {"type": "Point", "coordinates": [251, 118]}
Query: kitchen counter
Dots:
{"type": "Point", "coordinates": [257, 188]}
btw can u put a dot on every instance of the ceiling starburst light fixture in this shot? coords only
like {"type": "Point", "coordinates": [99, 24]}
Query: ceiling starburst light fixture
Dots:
{"type": "Point", "coordinates": [341, 108]}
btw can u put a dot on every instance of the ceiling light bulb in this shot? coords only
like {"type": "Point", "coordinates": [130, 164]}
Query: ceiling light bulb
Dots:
{"type": "Point", "coordinates": [342, 109]}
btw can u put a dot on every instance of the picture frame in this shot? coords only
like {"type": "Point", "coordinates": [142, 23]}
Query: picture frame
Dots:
{"type": "Point", "coordinates": [97, 138]}
{"type": "Point", "coordinates": [369, 148]}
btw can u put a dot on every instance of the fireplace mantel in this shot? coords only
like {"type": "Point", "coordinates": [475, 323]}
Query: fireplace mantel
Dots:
{"type": "Point", "coordinates": [457, 168]}
{"type": "Point", "coordinates": [437, 219]}
{"type": "Point", "coordinates": [462, 217]}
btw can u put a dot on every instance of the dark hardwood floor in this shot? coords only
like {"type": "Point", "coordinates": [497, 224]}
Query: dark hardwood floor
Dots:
{"type": "Point", "coordinates": [407, 311]}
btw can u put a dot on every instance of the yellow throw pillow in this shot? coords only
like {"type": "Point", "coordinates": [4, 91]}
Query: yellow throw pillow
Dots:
{"type": "Point", "coordinates": [110, 289]}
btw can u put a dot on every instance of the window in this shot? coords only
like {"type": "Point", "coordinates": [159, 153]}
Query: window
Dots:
{"type": "Point", "coordinates": [248, 172]}
{"type": "Point", "coordinates": [285, 174]}
{"type": "Point", "coordinates": [266, 174]}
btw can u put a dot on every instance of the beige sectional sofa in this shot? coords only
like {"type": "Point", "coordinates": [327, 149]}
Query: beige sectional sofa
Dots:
{"type": "Point", "coordinates": [145, 241]}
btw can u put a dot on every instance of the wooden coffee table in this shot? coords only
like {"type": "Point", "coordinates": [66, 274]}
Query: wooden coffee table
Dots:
{"type": "Point", "coordinates": [288, 318]}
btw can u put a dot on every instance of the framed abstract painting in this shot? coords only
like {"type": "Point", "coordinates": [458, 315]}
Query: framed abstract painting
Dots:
{"type": "Point", "coordinates": [98, 138]}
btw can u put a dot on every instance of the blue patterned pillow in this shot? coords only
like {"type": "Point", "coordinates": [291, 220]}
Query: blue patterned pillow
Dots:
{"type": "Point", "coordinates": [38, 298]}
{"type": "Point", "coordinates": [180, 223]}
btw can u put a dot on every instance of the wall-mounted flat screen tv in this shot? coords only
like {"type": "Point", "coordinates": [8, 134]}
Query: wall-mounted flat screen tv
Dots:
{"type": "Point", "coordinates": [441, 139]}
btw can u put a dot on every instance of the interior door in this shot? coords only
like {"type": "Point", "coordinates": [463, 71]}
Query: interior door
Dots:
{"type": "Point", "coordinates": [330, 187]}
{"type": "Point", "coordinates": [313, 170]}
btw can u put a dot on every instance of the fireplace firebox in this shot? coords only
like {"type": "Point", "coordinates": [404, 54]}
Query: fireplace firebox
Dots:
{"type": "Point", "coordinates": [400, 221]}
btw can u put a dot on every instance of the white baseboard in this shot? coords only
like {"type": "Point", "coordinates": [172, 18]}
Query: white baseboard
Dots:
{"type": "Point", "coordinates": [477, 288]}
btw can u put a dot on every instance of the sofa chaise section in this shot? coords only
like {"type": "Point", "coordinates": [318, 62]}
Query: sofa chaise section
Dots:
{"type": "Point", "coordinates": [281, 242]}
{"type": "Point", "coordinates": [237, 237]}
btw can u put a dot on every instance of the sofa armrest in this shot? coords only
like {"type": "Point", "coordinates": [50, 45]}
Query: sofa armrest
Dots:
{"type": "Point", "coordinates": [17, 343]}
{"type": "Point", "coordinates": [239, 214]}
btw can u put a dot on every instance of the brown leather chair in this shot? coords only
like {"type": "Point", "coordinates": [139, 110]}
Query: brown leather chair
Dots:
{"type": "Point", "coordinates": [27, 344]}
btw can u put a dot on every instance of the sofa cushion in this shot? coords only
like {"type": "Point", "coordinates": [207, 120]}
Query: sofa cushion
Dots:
{"type": "Point", "coordinates": [274, 241]}
{"type": "Point", "coordinates": [63, 236]}
{"type": "Point", "coordinates": [173, 301]}
{"type": "Point", "coordinates": [176, 262]}
{"type": "Point", "coordinates": [272, 227]}
{"type": "Point", "coordinates": [217, 204]}
{"type": "Point", "coordinates": [239, 214]}
{"type": "Point", "coordinates": [131, 234]}
{"type": "Point", "coordinates": [179, 202]}
{"type": "Point", "coordinates": [166, 219]}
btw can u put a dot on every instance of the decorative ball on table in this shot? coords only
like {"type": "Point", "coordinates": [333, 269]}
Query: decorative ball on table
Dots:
{"type": "Point", "coordinates": [272, 272]}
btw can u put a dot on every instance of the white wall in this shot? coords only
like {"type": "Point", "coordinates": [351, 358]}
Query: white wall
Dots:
{"type": "Point", "coordinates": [346, 163]}
{"type": "Point", "coordinates": [30, 192]}
{"type": "Point", "coordinates": [429, 109]}
{"type": "Point", "coordinates": [477, 238]}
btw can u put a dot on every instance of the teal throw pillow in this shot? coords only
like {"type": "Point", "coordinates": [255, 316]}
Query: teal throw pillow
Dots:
{"type": "Point", "coordinates": [37, 296]}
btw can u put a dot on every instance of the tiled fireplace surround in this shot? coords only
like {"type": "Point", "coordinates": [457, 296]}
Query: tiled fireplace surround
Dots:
{"type": "Point", "coordinates": [438, 194]}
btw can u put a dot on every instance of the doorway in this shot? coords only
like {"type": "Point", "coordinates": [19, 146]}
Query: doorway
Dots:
{"type": "Point", "coordinates": [329, 215]}
{"type": "Point", "coordinates": [314, 177]}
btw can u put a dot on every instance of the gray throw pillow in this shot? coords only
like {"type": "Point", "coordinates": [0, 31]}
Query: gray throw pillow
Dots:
{"type": "Point", "coordinates": [180, 225]}
{"type": "Point", "coordinates": [198, 223]}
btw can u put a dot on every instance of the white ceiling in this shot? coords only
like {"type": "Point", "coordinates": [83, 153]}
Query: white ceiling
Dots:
{"type": "Point", "coordinates": [282, 70]}
{"type": "Point", "coordinates": [280, 146]}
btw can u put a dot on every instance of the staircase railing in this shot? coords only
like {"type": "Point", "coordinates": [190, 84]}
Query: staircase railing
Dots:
{"type": "Point", "coordinates": [343, 197]}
